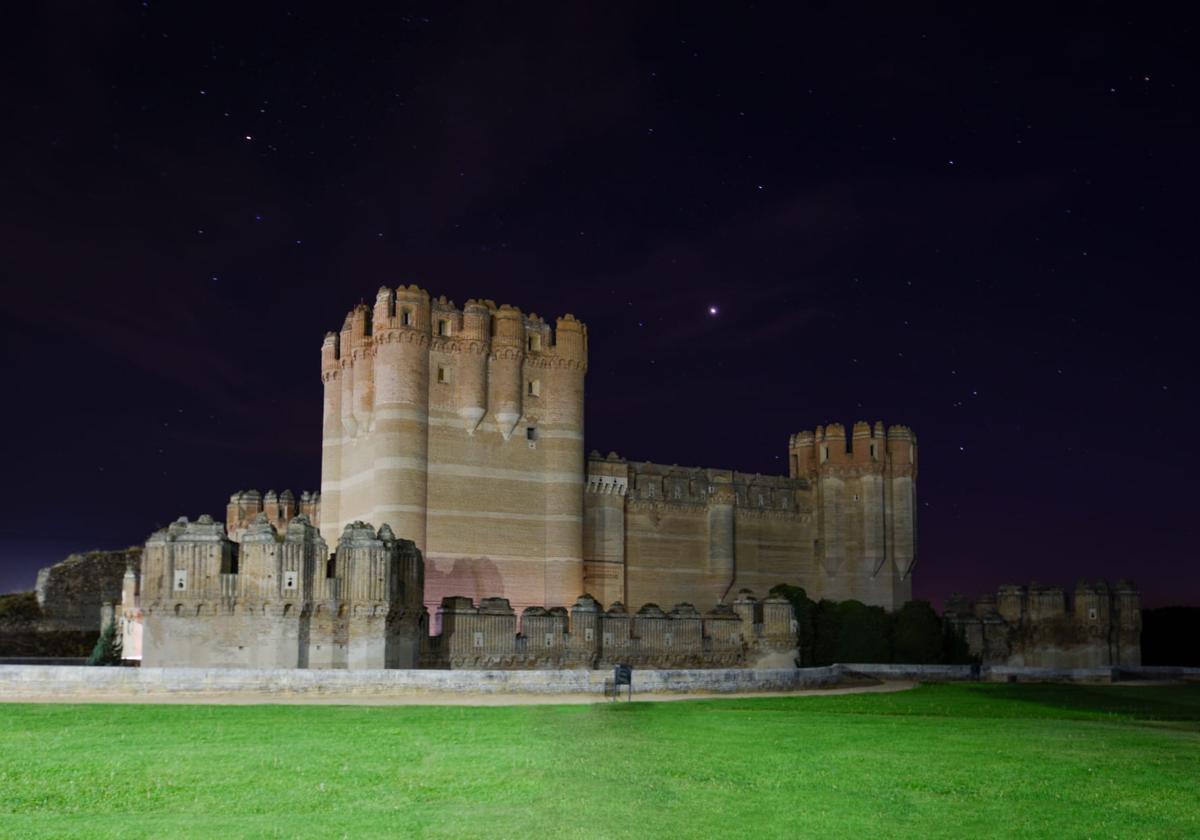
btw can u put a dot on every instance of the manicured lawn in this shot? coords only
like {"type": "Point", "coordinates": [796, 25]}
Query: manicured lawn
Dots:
{"type": "Point", "coordinates": [940, 761]}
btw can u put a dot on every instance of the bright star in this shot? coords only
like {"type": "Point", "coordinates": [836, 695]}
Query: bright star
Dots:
{"type": "Point", "coordinates": [712, 310]}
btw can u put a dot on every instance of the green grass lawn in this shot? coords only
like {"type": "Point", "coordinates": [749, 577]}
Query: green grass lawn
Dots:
{"type": "Point", "coordinates": [940, 761]}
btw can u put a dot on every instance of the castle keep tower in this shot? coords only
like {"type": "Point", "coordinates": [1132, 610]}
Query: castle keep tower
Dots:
{"type": "Point", "coordinates": [865, 509]}
{"type": "Point", "coordinates": [463, 431]}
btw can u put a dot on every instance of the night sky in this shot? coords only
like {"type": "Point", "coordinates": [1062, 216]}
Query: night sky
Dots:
{"type": "Point", "coordinates": [983, 227]}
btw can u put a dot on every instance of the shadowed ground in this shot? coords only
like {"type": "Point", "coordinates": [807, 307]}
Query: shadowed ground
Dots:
{"type": "Point", "coordinates": [940, 761]}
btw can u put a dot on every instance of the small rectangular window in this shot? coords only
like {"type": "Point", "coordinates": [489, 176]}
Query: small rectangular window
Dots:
{"type": "Point", "coordinates": [406, 317]}
{"type": "Point", "coordinates": [531, 433]}
{"type": "Point", "coordinates": [534, 388]}
{"type": "Point", "coordinates": [535, 343]}
{"type": "Point", "coordinates": [443, 327]}
{"type": "Point", "coordinates": [443, 375]}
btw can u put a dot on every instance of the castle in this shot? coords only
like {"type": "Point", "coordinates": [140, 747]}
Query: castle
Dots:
{"type": "Point", "coordinates": [463, 430]}
{"type": "Point", "coordinates": [459, 433]}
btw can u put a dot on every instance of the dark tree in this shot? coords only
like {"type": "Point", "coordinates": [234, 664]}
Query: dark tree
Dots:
{"type": "Point", "coordinates": [827, 624]}
{"type": "Point", "coordinates": [864, 633]}
{"type": "Point", "coordinates": [108, 647]}
{"type": "Point", "coordinates": [917, 635]}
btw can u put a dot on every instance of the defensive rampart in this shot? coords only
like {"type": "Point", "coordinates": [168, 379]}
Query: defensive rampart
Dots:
{"type": "Point", "coordinates": [1037, 627]}
{"type": "Point", "coordinates": [747, 634]}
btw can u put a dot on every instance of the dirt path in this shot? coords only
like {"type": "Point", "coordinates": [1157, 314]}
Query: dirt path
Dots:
{"type": "Point", "coordinates": [248, 698]}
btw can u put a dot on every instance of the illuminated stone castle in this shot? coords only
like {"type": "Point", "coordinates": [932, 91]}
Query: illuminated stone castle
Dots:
{"type": "Point", "coordinates": [462, 429]}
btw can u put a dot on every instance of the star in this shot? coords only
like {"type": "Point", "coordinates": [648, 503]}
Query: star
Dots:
{"type": "Point", "coordinates": [713, 310]}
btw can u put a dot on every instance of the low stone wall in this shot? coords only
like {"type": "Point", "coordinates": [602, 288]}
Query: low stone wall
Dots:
{"type": "Point", "coordinates": [922, 673]}
{"type": "Point", "coordinates": [17, 681]}
{"type": "Point", "coordinates": [1015, 673]}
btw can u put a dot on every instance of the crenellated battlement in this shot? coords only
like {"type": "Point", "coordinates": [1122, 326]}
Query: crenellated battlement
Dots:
{"type": "Point", "coordinates": [279, 508]}
{"type": "Point", "coordinates": [650, 482]}
{"type": "Point", "coordinates": [481, 325]}
{"type": "Point", "coordinates": [870, 447]}
{"type": "Point", "coordinates": [587, 636]}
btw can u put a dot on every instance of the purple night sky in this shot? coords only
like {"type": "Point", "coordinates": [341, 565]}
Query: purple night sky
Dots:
{"type": "Point", "coordinates": [982, 226]}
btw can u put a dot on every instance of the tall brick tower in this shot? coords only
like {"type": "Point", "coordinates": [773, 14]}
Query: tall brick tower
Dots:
{"type": "Point", "coordinates": [864, 507]}
{"type": "Point", "coordinates": [463, 431]}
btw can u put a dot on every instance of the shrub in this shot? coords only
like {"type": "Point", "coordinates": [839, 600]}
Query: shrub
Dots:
{"type": "Point", "coordinates": [917, 635]}
{"type": "Point", "coordinates": [827, 624]}
{"type": "Point", "coordinates": [108, 647]}
{"type": "Point", "coordinates": [864, 633]}
{"type": "Point", "coordinates": [954, 647]}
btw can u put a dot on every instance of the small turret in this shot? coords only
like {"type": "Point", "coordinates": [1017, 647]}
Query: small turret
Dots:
{"type": "Point", "coordinates": [801, 450]}
{"type": "Point", "coordinates": [570, 339]}
{"type": "Point", "coordinates": [476, 321]}
{"type": "Point", "coordinates": [902, 446]}
{"type": "Point", "coordinates": [412, 308]}
{"type": "Point", "coordinates": [505, 379]}
{"type": "Point", "coordinates": [287, 505]}
{"type": "Point", "coordinates": [865, 448]}
{"type": "Point", "coordinates": [385, 307]}
{"type": "Point", "coordinates": [360, 325]}
{"type": "Point", "coordinates": [445, 320]}
{"type": "Point", "coordinates": [329, 354]}
{"type": "Point", "coordinates": [833, 445]}
{"type": "Point", "coordinates": [1010, 603]}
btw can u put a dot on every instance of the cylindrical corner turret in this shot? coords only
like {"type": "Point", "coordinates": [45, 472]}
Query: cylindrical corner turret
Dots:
{"type": "Point", "coordinates": [570, 339]}
{"type": "Point", "coordinates": [329, 355]}
{"type": "Point", "coordinates": [396, 454]}
{"type": "Point", "coordinates": [505, 370]}
{"type": "Point", "coordinates": [800, 454]}
{"type": "Point", "coordinates": [902, 446]}
{"type": "Point", "coordinates": [474, 346]}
